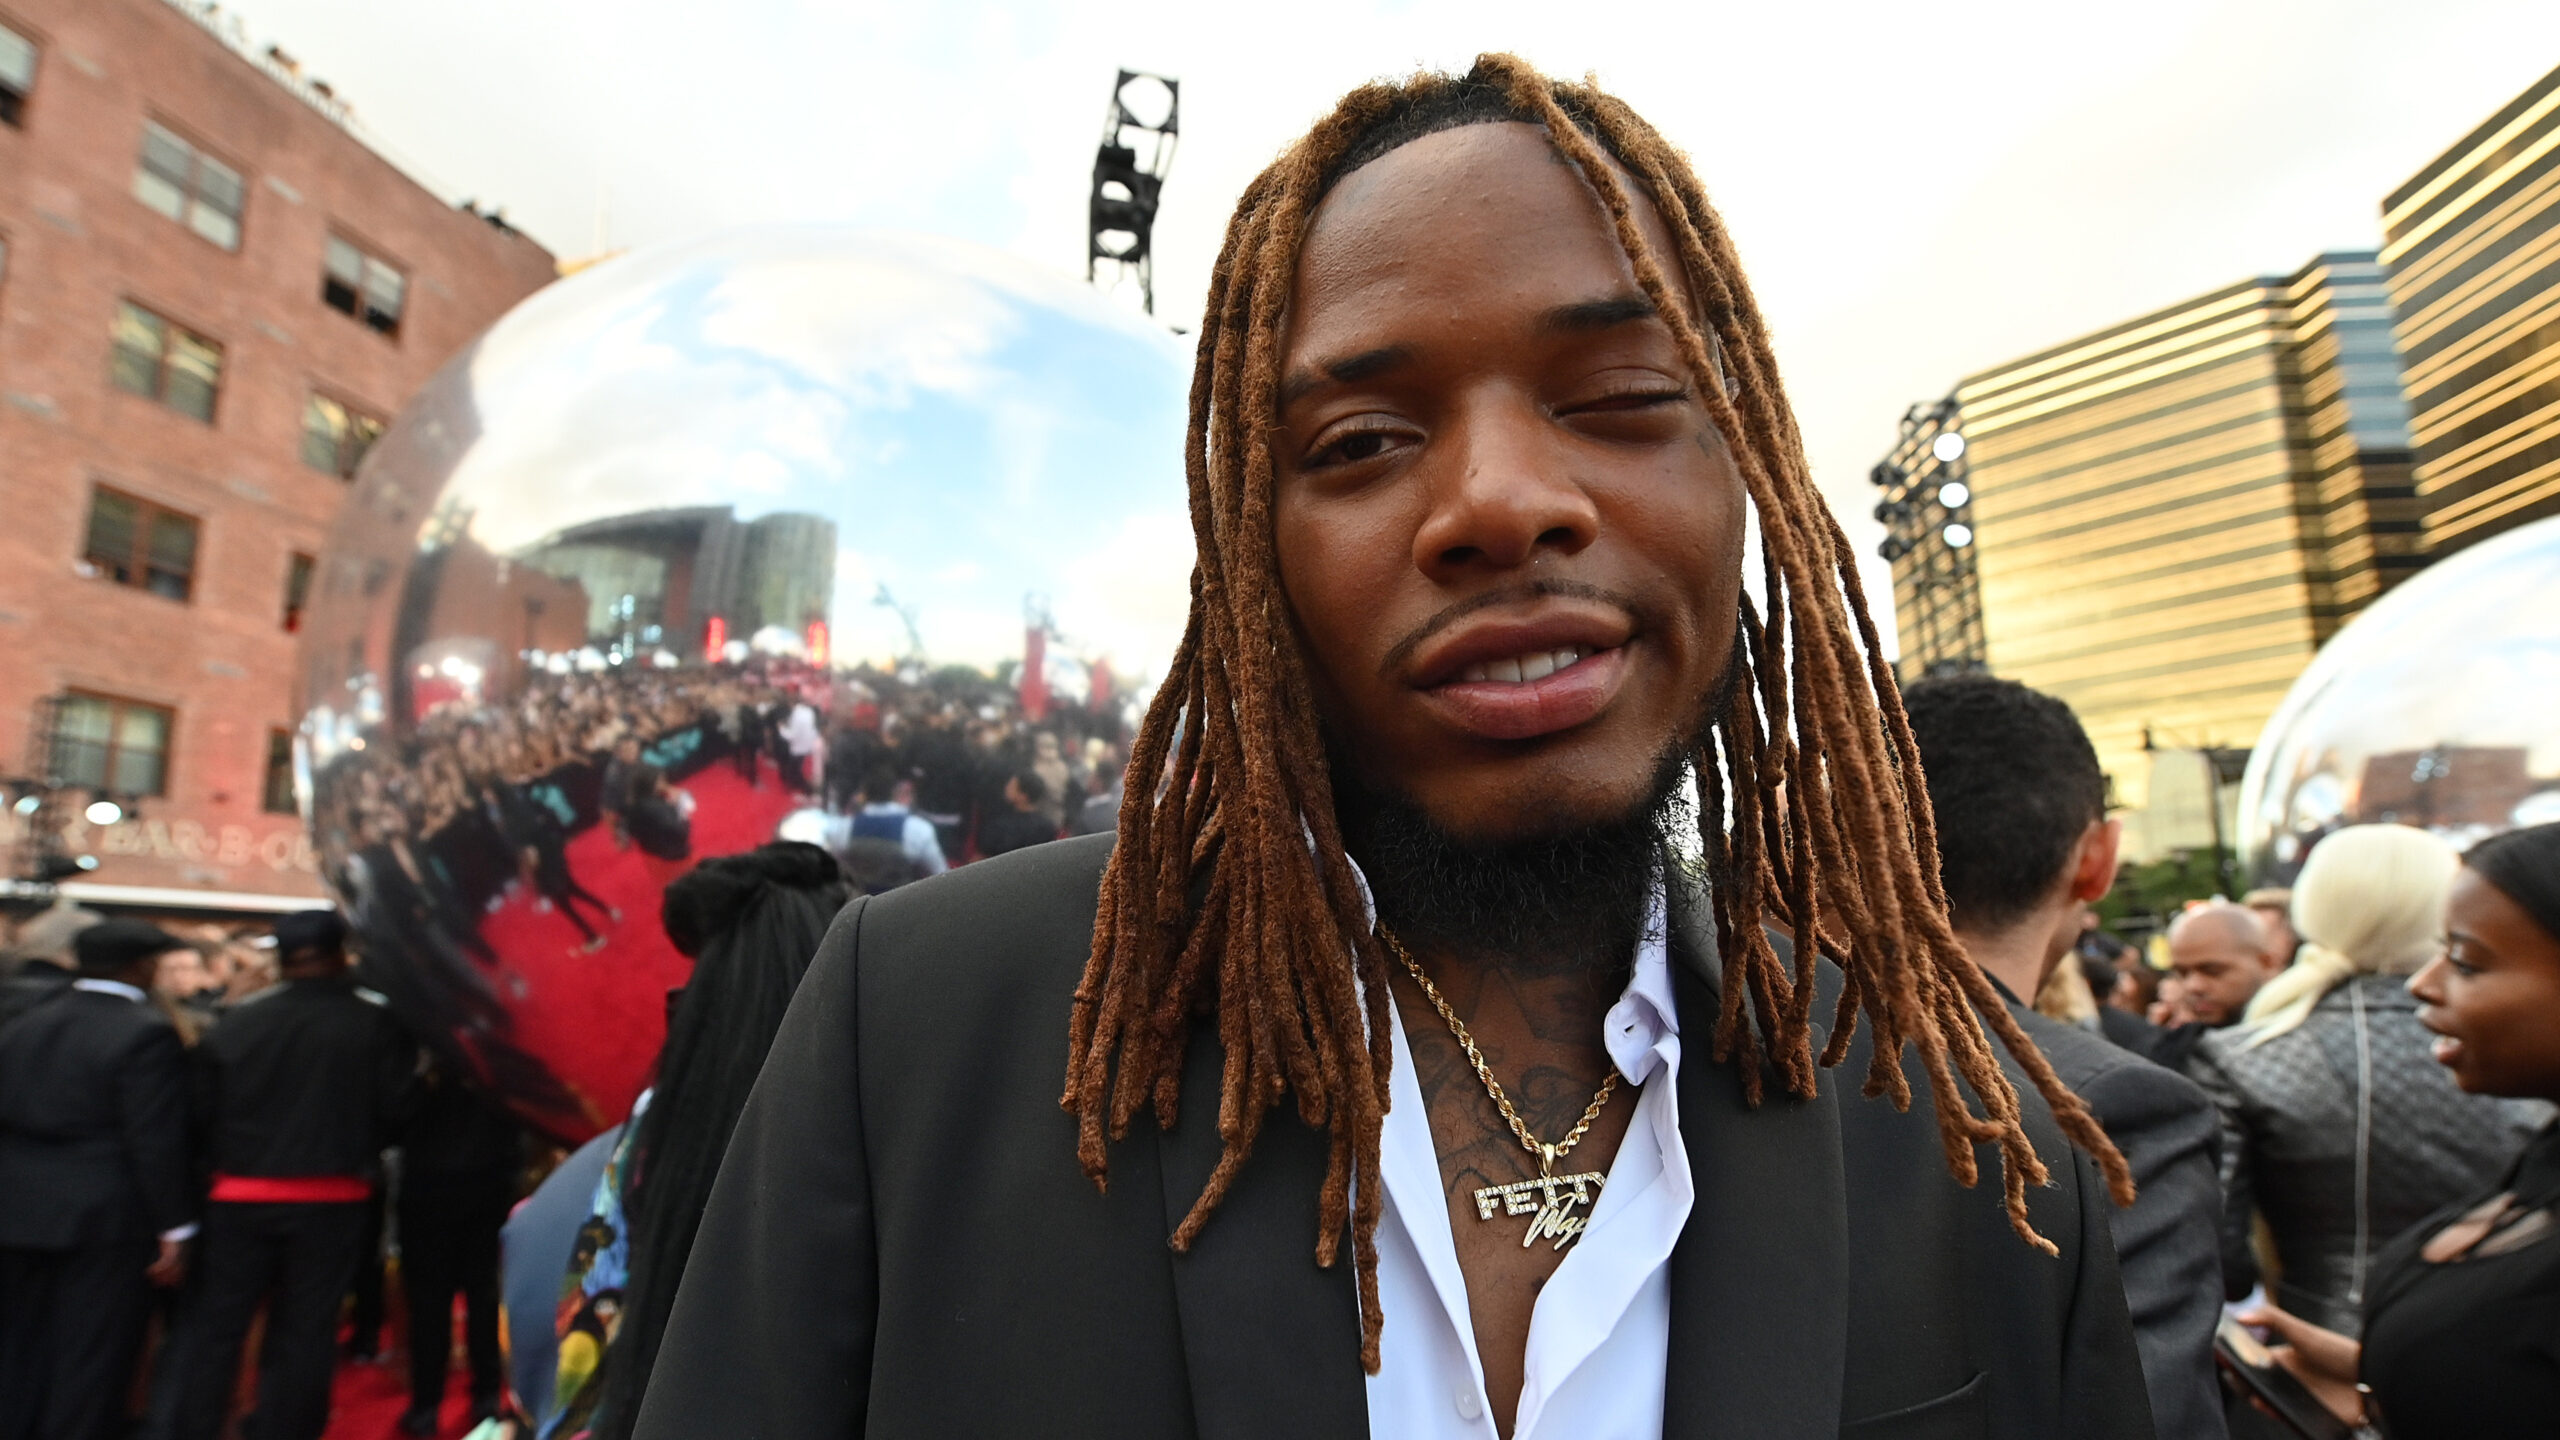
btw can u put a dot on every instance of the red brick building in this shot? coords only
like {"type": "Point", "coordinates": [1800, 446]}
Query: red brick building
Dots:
{"type": "Point", "coordinates": [212, 295]}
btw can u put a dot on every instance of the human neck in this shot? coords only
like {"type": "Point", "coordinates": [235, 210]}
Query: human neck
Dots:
{"type": "Point", "coordinates": [2018, 956]}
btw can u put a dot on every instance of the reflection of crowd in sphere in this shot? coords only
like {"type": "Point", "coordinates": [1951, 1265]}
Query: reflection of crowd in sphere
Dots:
{"type": "Point", "coordinates": [988, 777]}
{"type": "Point", "coordinates": [431, 833]}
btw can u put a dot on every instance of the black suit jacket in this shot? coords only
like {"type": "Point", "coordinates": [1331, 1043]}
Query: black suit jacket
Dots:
{"type": "Point", "coordinates": [305, 1078]}
{"type": "Point", "coordinates": [901, 1244]}
{"type": "Point", "coordinates": [2167, 1244]}
{"type": "Point", "coordinates": [93, 1124]}
{"type": "Point", "coordinates": [2130, 1031]}
{"type": "Point", "coordinates": [36, 982]}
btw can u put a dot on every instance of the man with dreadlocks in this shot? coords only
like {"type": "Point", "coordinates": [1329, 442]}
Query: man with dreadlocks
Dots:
{"type": "Point", "coordinates": [1413, 1087]}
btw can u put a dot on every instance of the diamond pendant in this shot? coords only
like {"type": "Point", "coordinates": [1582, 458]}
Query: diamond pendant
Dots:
{"type": "Point", "coordinates": [1552, 1199]}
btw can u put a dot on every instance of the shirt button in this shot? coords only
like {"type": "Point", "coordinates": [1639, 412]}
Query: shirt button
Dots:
{"type": "Point", "coordinates": [1469, 1407]}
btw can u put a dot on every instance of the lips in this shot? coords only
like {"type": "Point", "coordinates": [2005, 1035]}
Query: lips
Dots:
{"type": "Point", "coordinates": [2447, 1049]}
{"type": "Point", "coordinates": [1523, 677]}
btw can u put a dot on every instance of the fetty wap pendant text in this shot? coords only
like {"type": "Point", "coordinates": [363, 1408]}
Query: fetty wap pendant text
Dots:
{"type": "Point", "coordinates": [1551, 1198]}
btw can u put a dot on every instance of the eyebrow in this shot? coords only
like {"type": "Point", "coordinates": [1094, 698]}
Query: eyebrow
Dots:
{"type": "Point", "coordinates": [1591, 315]}
{"type": "Point", "coordinates": [1350, 370]}
{"type": "Point", "coordinates": [1581, 318]}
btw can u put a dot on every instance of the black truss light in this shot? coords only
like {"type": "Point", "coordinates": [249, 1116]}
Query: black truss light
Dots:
{"type": "Point", "coordinates": [1927, 510]}
{"type": "Point", "coordinates": [1128, 178]}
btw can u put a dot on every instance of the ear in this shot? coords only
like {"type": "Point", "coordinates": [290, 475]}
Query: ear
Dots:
{"type": "Point", "coordinates": [2093, 861]}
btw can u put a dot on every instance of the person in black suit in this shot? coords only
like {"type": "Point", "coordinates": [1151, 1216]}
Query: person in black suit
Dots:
{"type": "Point", "coordinates": [1483, 415]}
{"type": "Point", "coordinates": [1021, 822]}
{"type": "Point", "coordinates": [459, 1160]}
{"type": "Point", "coordinates": [95, 1205]}
{"type": "Point", "coordinates": [2024, 843]}
{"type": "Point", "coordinates": [2107, 963]}
{"type": "Point", "coordinates": [298, 1091]}
{"type": "Point", "coordinates": [41, 963]}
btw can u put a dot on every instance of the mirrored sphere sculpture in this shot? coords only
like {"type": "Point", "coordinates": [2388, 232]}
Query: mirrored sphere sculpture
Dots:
{"type": "Point", "coordinates": [623, 553]}
{"type": "Point", "coordinates": [2439, 706]}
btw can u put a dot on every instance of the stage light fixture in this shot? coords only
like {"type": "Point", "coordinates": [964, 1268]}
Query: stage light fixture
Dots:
{"type": "Point", "coordinates": [1121, 213]}
{"type": "Point", "coordinates": [103, 812]}
{"type": "Point", "coordinates": [1937, 595]}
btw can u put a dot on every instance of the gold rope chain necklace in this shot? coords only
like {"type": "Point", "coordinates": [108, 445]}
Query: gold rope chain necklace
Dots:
{"type": "Point", "coordinates": [1551, 1198]}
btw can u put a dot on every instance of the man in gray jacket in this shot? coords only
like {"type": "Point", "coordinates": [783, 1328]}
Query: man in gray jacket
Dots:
{"type": "Point", "coordinates": [2024, 842]}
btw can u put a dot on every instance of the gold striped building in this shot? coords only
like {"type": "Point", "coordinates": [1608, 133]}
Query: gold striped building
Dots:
{"type": "Point", "coordinates": [2173, 513]}
{"type": "Point", "coordinates": [2473, 243]}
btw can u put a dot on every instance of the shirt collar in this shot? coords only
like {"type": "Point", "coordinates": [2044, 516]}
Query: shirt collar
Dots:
{"type": "Point", "coordinates": [97, 986]}
{"type": "Point", "coordinates": [1645, 1015]}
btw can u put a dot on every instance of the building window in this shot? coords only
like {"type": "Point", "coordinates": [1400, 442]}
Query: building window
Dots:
{"type": "Point", "coordinates": [17, 75]}
{"type": "Point", "coordinates": [297, 591]}
{"type": "Point", "coordinates": [336, 435]}
{"type": "Point", "coordinates": [364, 286]}
{"type": "Point", "coordinates": [117, 746]}
{"type": "Point", "coordinates": [165, 361]}
{"type": "Point", "coordinates": [189, 186]}
{"type": "Point", "coordinates": [278, 798]}
{"type": "Point", "coordinates": [134, 542]}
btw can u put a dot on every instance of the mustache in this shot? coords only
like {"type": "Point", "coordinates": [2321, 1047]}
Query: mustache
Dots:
{"type": "Point", "coordinates": [1402, 650]}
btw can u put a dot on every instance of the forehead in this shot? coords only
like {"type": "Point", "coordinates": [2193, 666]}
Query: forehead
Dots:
{"type": "Point", "coordinates": [2478, 908]}
{"type": "Point", "coordinates": [2208, 937]}
{"type": "Point", "coordinates": [1480, 219]}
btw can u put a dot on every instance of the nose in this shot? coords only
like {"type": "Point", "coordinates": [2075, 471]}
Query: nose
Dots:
{"type": "Point", "coordinates": [2428, 984]}
{"type": "Point", "coordinates": [1502, 493]}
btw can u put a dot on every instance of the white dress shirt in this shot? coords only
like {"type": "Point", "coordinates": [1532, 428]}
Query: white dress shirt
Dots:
{"type": "Point", "coordinates": [96, 986]}
{"type": "Point", "coordinates": [1600, 1334]}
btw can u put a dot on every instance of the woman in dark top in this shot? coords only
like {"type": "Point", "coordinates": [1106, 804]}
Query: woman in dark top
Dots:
{"type": "Point", "coordinates": [2462, 1320]}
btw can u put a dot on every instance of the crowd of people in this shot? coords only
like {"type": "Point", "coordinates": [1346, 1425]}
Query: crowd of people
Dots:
{"type": "Point", "coordinates": [201, 1126]}
{"type": "Point", "coordinates": [206, 1168]}
{"type": "Point", "coordinates": [481, 794]}
{"type": "Point", "coordinates": [2290, 1086]}
{"type": "Point", "coordinates": [2320, 1114]}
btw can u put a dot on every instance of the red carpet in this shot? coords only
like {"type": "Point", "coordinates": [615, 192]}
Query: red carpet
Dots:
{"type": "Point", "coordinates": [370, 1396]}
{"type": "Point", "coordinates": [598, 1020]}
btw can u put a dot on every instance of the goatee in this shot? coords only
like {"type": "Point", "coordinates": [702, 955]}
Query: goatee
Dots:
{"type": "Point", "coordinates": [1567, 898]}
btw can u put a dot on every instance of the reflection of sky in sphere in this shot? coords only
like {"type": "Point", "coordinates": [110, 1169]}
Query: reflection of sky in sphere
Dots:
{"type": "Point", "coordinates": [2440, 705]}
{"type": "Point", "coordinates": [977, 429]}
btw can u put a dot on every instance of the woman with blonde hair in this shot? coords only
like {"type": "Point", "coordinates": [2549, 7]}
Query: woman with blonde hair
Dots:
{"type": "Point", "coordinates": [2337, 1124]}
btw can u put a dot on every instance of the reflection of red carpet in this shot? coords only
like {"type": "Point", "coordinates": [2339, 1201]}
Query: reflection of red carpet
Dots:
{"type": "Point", "coordinates": [598, 1020]}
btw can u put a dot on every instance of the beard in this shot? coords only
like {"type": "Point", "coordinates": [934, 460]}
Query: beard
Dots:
{"type": "Point", "coordinates": [1569, 898]}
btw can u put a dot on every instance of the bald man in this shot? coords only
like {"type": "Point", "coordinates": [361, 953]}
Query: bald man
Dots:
{"type": "Point", "coordinates": [2219, 952]}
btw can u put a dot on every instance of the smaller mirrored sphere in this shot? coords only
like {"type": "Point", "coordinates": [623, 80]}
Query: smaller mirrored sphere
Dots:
{"type": "Point", "coordinates": [2436, 707]}
{"type": "Point", "coordinates": [707, 545]}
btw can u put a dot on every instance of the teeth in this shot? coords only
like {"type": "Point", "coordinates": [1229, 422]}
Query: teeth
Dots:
{"type": "Point", "coordinates": [1520, 669]}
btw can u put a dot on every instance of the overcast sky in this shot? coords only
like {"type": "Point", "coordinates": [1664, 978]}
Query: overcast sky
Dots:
{"type": "Point", "coordinates": [1920, 191]}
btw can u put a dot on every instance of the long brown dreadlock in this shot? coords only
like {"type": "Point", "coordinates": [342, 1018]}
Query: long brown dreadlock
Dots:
{"type": "Point", "coordinates": [1230, 887]}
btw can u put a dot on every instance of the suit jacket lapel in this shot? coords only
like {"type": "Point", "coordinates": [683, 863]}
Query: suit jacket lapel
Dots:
{"type": "Point", "coordinates": [1271, 1339]}
{"type": "Point", "coordinates": [1759, 1279]}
